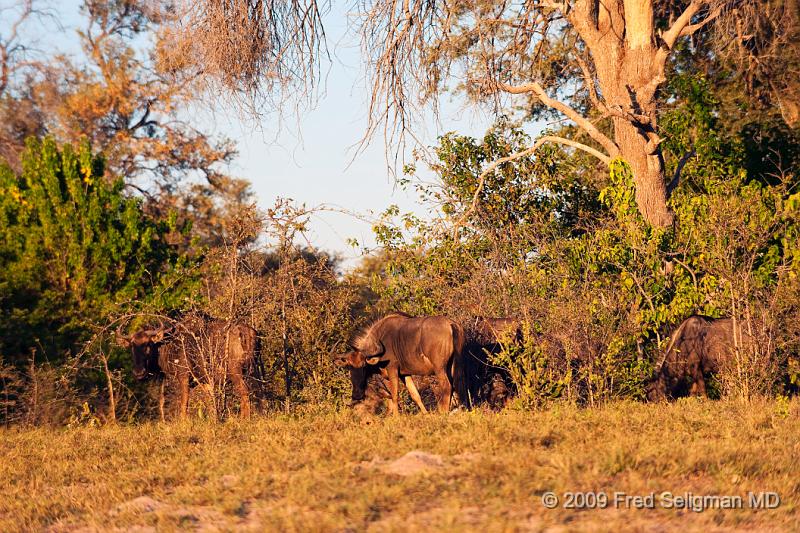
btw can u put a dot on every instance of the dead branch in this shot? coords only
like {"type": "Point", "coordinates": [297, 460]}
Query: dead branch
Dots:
{"type": "Point", "coordinates": [264, 50]}
{"type": "Point", "coordinates": [524, 153]}
{"type": "Point", "coordinates": [581, 121]}
{"type": "Point", "coordinates": [676, 178]}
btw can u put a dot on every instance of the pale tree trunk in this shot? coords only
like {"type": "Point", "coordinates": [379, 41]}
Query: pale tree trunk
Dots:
{"type": "Point", "coordinates": [619, 35]}
{"type": "Point", "coordinates": [648, 174]}
{"type": "Point", "coordinates": [641, 73]}
{"type": "Point", "coordinates": [112, 402]}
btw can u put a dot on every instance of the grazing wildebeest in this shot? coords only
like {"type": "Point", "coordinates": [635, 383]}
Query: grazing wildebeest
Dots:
{"type": "Point", "coordinates": [485, 337]}
{"type": "Point", "coordinates": [402, 346]}
{"type": "Point", "coordinates": [698, 347]}
{"type": "Point", "coordinates": [370, 383]}
{"type": "Point", "coordinates": [182, 352]}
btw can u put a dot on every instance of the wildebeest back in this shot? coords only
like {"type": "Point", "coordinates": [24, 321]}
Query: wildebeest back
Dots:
{"type": "Point", "coordinates": [700, 346]}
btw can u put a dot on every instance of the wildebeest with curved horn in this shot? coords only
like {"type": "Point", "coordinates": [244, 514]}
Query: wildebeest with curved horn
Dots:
{"type": "Point", "coordinates": [176, 354]}
{"type": "Point", "coordinates": [402, 346]}
{"type": "Point", "coordinates": [700, 346]}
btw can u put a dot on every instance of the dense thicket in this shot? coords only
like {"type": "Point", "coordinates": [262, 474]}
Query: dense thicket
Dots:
{"type": "Point", "coordinates": [552, 240]}
{"type": "Point", "coordinates": [74, 248]}
{"type": "Point", "coordinates": [81, 260]}
{"type": "Point", "coordinates": [74, 251]}
{"type": "Point", "coordinates": [120, 214]}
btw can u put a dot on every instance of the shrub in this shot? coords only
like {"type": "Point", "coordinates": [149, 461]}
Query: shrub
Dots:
{"type": "Point", "coordinates": [74, 251]}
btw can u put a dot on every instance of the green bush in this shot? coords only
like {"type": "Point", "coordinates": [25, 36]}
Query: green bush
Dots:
{"type": "Point", "coordinates": [75, 251]}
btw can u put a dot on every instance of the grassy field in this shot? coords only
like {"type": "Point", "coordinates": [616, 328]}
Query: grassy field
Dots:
{"type": "Point", "coordinates": [467, 471]}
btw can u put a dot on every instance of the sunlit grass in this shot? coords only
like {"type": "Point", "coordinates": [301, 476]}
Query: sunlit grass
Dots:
{"type": "Point", "coordinates": [322, 471]}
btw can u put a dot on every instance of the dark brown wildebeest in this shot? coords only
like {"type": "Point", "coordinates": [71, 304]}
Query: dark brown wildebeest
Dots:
{"type": "Point", "coordinates": [370, 387]}
{"type": "Point", "coordinates": [182, 352]}
{"type": "Point", "coordinates": [370, 383]}
{"type": "Point", "coordinates": [698, 347]}
{"type": "Point", "coordinates": [486, 336]}
{"type": "Point", "coordinates": [402, 346]}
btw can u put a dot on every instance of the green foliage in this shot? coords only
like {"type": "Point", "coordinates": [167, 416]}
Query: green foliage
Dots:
{"type": "Point", "coordinates": [599, 286]}
{"type": "Point", "coordinates": [74, 251]}
{"type": "Point", "coordinates": [534, 372]}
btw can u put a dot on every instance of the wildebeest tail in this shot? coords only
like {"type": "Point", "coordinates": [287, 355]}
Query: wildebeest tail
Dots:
{"type": "Point", "coordinates": [457, 369]}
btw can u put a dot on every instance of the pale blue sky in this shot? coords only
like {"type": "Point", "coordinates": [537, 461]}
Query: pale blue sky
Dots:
{"type": "Point", "coordinates": [310, 160]}
{"type": "Point", "coordinates": [313, 168]}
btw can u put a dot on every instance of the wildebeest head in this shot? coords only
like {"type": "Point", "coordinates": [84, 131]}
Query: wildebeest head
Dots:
{"type": "Point", "coordinates": [360, 382]}
{"type": "Point", "coordinates": [144, 345]}
{"type": "Point", "coordinates": [364, 350]}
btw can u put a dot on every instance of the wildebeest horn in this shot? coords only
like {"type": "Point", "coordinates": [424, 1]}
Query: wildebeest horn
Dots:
{"type": "Point", "coordinates": [157, 335]}
{"type": "Point", "coordinates": [374, 358]}
{"type": "Point", "coordinates": [121, 339]}
{"type": "Point", "coordinates": [159, 327]}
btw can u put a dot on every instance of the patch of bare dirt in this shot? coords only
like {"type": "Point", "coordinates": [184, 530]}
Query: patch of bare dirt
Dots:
{"type": "Point", "coordinates": [142, 504]}
{"type": "Point", "coordinates": [412, 463]}
{"type": "Point", "coordinates": [416, 462]}
{"type": "Point", "coordinates": [186, 517]}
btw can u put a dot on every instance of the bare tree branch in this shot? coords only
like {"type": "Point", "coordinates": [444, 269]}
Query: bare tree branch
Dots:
{"type": "Point", "coordinates": [581, 121]}
{"type": "Point", "coordinates": [674, 32]}
{"type": "Point", "coordinates": [10, 47]}
{"type": "Point", "coordinates": [591, 85]}
{"type": "Point", "coordinates": [682, 26]}
{"type": "Point", "coordinates": [676, 178]}
{"type": "Point", "coordinates": [692, 28]}
{"type": "Point", "coordinates": [264, 50]}
{"type": "Point", "coordinates": [518, 155]}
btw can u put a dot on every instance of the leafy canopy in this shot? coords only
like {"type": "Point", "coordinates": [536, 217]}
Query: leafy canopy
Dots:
{"type": "Point", "coordinates": [73, 250]}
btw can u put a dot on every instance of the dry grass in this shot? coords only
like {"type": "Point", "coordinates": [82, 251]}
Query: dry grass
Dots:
{"type": "Point", "coordinates": [330, 472]}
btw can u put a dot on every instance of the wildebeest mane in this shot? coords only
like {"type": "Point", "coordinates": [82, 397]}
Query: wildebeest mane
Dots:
{"type": "Point", "coordinates": [359, 339]}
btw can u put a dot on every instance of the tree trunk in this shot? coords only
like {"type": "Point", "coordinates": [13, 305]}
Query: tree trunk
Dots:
{"type": "Point", "coordinates": [629, 72]}
{"type": "Point", "coordinates": [648, 173]}
{"type": "Point", "coordinates": [112, 402]}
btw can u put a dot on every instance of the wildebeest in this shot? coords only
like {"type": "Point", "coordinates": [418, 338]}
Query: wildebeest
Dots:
{"type": "Point", "coordinates": [370, 383]}
{"type": "Point", "coordinates": [698, 347]}
{"type": "Point", "coordinates": [485, 337]}
{"type": "Point", "coordinates": [186, 350]}
{"type": "Point", "coordinates": [401, 346]}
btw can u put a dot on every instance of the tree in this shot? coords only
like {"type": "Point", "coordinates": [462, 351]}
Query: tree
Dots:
{"type": "Point", "coordinates": [74, 251]}
{"type": "Point", "coordinates": [133, 106]}
{"type": "Point", "coordinates": [597, 64]}
{"type": "Point", "coordinates": [765, 54]}
{"type": "Point", "coordinates": [611, 55]}
{"type": "Point", "coordinates": [17, 62]}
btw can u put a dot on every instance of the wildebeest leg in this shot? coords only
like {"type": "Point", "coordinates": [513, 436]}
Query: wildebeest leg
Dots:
{"type": "Point", "coordinates": [241, 389]}
{"type": "Point", "coordinates": [699, 387]}
{"type": "Point", "coordinates": [412, 390]}
{"type": "Point", "coordinates": [183, 385]}
{"type": "Point", "coordinates": [394, 387]}
{"type": "Point", "coordinates": [445, 390]}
